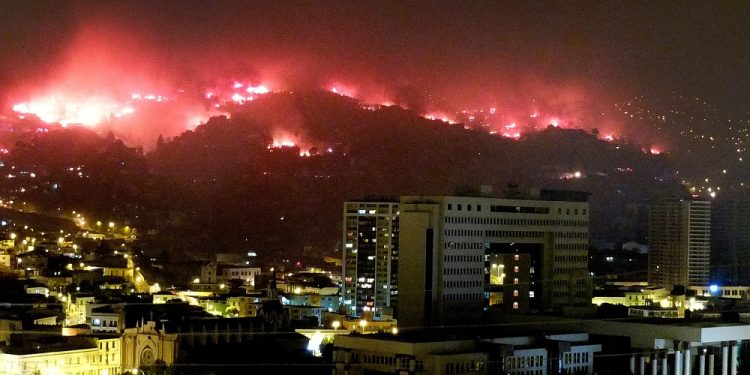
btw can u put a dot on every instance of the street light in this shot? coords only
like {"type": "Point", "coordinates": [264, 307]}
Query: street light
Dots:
{"type": "Point", "coordinates": [363, 324]}
{"type": "Point", "coordinates": [335, 324]}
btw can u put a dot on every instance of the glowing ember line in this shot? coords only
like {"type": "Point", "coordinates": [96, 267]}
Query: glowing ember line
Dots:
{"type": "Point", "coordinates": [282, 143]}
{"type": "Point", "coordinates": [53, 109]}
{"type": "Point", "coordinates": [258, 90]}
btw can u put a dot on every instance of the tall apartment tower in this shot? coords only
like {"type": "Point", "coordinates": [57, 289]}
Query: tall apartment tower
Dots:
{"type": "Point", "coordinates": [370, 257]}
{"type": "Point", "coordinates": [679, 243]}
{"type": "Point", "coordinates": [730, 240]}
{"type": "Point", "coordinates": [460, 255]}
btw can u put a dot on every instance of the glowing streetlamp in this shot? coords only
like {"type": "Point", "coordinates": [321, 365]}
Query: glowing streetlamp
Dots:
{"type": "Point", "coordinates": [335, 324]}
{"type": "Point", "coordinates": [363, 325]}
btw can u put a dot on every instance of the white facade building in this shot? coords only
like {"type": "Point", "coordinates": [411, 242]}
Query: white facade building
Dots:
{"type": "Point", "coordinates": [678, 347]}
{"type": "Point", "coordinates": [448, 246]}
{"type": "Point", "coordinates": [416, 354]}
{"type": "Point", "coordinates": [679, 243]}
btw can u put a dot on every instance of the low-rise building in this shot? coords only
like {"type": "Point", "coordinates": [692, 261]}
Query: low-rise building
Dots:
{"type": "Point", "coordinates": [5, 260]}
{"type": "Point", "coordinates": [107, 319]}
{"type": "Point", "coordinates": [38, 289]}
{"type": "Point", "coordinates": [731, 292]}
{"type": "Point", "coordinates": [56, 282]}
{"type": "Point", "coordinates": [75, 355]}
{"type": "Point", "coordinates": [677, 345]}
{"type": "Point", "coordinates": [164, 297]}
{"type": "Point", "coordinates": [456, 352]}
{"type": "Point", "coordinates": [41, 317]}
{"type": "Point", "coordinates": [214, 272]}
{"type": "Point", "coordinates": [305, 313]}
{"type": "Point", "coordinates": [238, 341]}
{"type": "Point", "coordinates": [243, 306]}
{"type": "Point", "coordinates": [656, 312]}
{"type": "Point", "coordinates": [78, 308]}
{"type": "Point", "coordinates": [7, 243]}
{"type": "Point", "coordinates": [8, 325]}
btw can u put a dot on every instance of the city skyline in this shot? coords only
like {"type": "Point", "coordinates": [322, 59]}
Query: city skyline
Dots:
{"type": "Point", "coordinates": [345, 188]}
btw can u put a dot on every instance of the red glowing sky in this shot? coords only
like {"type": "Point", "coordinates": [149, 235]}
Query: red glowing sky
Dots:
{"type": "Point", "coordinates": [106, 78]}
{"type": "Point", "coordinates": [554, 61]}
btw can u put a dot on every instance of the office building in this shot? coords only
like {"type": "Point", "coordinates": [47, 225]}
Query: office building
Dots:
{"type": "Point", "coordinates": [459, 255]}
{"type": "Point", "coordinates": [679, 243]}
{"type": "Point", "coordinates": [370, 257]}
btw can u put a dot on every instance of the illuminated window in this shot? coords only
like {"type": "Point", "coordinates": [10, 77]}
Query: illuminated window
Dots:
{"type": "Point", "coordinates": [515, 292]}
{"type": "Point", "coordinates": [515, 281]}
{"type": "Point", "coordinates": [515, 269]}
{"type": "Point", "coordinates": [515, 305]}
{"type": "Point", "coordinates": [516, 257]}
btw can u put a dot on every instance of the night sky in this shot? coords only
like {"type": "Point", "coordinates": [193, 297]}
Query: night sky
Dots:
{"type": "Point", "coordinates": [466, 52]}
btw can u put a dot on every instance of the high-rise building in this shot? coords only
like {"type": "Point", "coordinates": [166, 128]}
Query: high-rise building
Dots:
{"type": "Point", "coordinates": [730, 240]}
{"type": "Point", "coordinates": [679, 243]}
{"type": "Point", "coordinates": [370, 257]}
{"type": "Point", "coordinates": [459, 255]}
